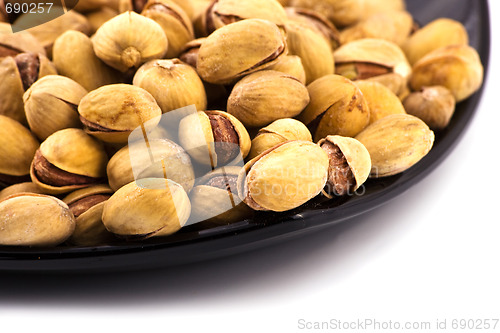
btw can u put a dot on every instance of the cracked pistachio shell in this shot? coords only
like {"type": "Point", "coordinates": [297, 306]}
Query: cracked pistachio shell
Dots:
{"type": "Point", "coordinates": [87, 205]}
{"type": "Point", "coordinates": [312, 48]}
{"type": "Point", "coordinates": [147, 208]}
{"type": "Point", "coordinates": [174, 21]}
{"type": "Point", "coordinates": [12, 84]}
{"type": "Point", "coordinates": [112, 112]}
{"type": "Point", "coordinates": [396, 143]}
{"type": "Point", "coordinates": [128, 40]}
{"type": "Point", "coordinates": [380, 99]}
{"type": "Point", "coordinates": [50, 105]}
{"type": "Point", "coordinates": [291, 65]}
{"type": "Point", "coordinates": [17, 148]}
{"type": "Point", "coordinates": [34, 220]}
{"type": "Point", "coordinates": [339, 12]}
{"type": "Point", "coordinates": [254, 96]}
{"type": "Point", "coordinates": [395, 82]}
{"type": "Point", "coordinates": [239, 49]}
{"type": "Point", "coordinates": [436, 34]}
{"type": "Point", "coordinates": [284, 177]}
{"type": "Point", "coordinates": [26, 187]}
{"type": "Point", "coordinates": [279, 131]}
{"type": "Point", "coordinates": [380, 55]}
{"type": "Point", "coordinates": [337, 107]}
{"type": "Point", "coordinates": [456, 67]}
{"type": "Point", "coordinates": [20, 42]}
{"type": "Point", "coordinates": [136, 159]}
{"type": "Point", "coordinates": [74, 57]}
{"type": "Point", "coordinates": [172, 83]}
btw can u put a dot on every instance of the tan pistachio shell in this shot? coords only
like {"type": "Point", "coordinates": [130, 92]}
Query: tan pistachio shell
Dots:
{"type": "Point", "coordinates": [395, 82]}
{"type": "Point", "coordinates": [85, 6]}
{"type": "Point", "coordinates": [26, 187]}
{"type": "Point", "coordinates": [74, 57]}
{"type": "Point", "coordinates": [99, 17]}
{"type": "Point", "coordinates": [34, 220]}
{"type": "Point", "coordinates": [239, 49]}
{"type": "Point", "coordinates": [340, 12]}
{"type": "Point", "coordinates": [14, 43]}
{"type": "Point", "coordinates": [396, 143]}
{"type": "Point", "coordinates": [337, 107]}
{"type": "Point", "coordinates": [380, 99]}
{"type": "Point", "coordinates": [284, 177]}
{"type": "Point", "coordinates": [128, 40]}
{"type": "Point", "coordinates": [147, 208]}
{"type": "Point", "coordinates": [52, 92]}
{"type": "Point", "coordinates": [456, 67]}
{"type": "Point", "coordinates": [291, 65]}
{"type": "Point", "coordinates": [119, 109]}
{"type": "Point", "coordinates": [279, 131]}
{"type": "Point", "coordinates": [254, 96]}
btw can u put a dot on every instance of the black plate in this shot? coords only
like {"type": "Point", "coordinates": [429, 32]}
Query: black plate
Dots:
{"type": "Point", "coordinates": [190, 245]}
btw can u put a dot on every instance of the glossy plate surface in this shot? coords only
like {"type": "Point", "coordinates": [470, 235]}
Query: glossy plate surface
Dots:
{"type": "Point", "coordinates": [190, 245]}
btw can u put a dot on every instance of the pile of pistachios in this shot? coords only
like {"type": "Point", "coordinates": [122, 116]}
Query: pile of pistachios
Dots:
{"type": "Point", "coordinates": [130, 119]}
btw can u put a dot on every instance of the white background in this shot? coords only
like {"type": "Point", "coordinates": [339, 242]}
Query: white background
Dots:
{"type": "Point", "coordinates": [432, 253]}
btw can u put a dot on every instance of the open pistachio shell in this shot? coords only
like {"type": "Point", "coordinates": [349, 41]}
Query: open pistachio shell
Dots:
{"type": "Point", "coordinates": [34, 220]}
{"type": "Point", "coordinates": [26, 187]}
{"type": "Point", "coordinates": [341, 12]}
{"type": "Point", "coordinates": [12, 44]}
{"type": "Point", "coordinates": [380, 99]}
{"type": "Point", "coordinates": [291, 65]}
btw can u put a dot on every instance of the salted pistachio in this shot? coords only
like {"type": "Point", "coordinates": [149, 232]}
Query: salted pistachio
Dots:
{"type": "Point", "coordinates": [12, 44]}
{"type": "Point", "coordinates": [172, 83]}
{"type": "Point", "coordinates": [434, 105]}
{"type": "Point", "coordinates": [312, 48]}
{"type": "Point", "coordinates": [291, 65]}
{"type": "Point", "coordinates": [215, 199]}
{"type": "Point", "coordinates": [214, 138]}
{"type": "Point", "coordinates": [239, 49]}
{"type": "Point", "coordinates": [17, 149]}
{"type": "Point", "coordinates": [26, 187]}
{"type": "Point", "coordinates": [174, 22]}
{"type": "Point", "coordinates": [340, 12]}
{"type": "Point", "coordinates": [350, 164]}
{"type": "Point", "coordinates": [394, 26]}
{"type": "Point", "coordinates": [255, 95]}
{"type": "Point", "coordinates": [18, 73]}
{"type": "Point", "coordinates": [279, 131]}
{"type": "Point", "coordinates": [68, 160]}
{"type": "Point", "coordinates": [74, 57]}
{"type": "Point", "coordinates": [370, 57]}
{"type": "Point", "coordinates": [380, 99]}
{"type": "Point", "coordinates": [99, 17]}
{"type": "Point", "coordinates": [371, 7]}
{"type": "Point", "coordinates": [159, 158]}
{"type": "Point", "coordinates": [395, 82]}
{"type": "Point", "coordinates": [434, 35]}
{"type": "Point", "coordinates": [51, 105]}
{"type": "Point", "coordinates": [147, 208]}
{"type": "Point", "coordinates": [29, 219]}
{"type": "Point", "coordinates": [87, 205]}
{"type": "Point", "coordinates": [337, 107]}
{"type": "Point", "coordinates": [128, 40]}
{"type": "Point", "coordinates": [112, 112]}
{"type": "Point", "coordinates": [190, 51]}
{"type": "Point", "coordinates": [456, 67]}
{"type": "Point", "coordinates": [86, 6]}
{"type": "Point", "coordinates": [396, 143]}
{"type": "Point", "coordinates": [284, 177]}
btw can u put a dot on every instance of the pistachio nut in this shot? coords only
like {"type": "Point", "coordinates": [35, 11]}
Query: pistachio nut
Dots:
{"type": "Point", "coordinates": [189, 53]}
{"type": "Point", "coordinates": [128, 40]}
{"type": "Point", "coordinates": [380, 99]}
{"type": "Point", "coordinates": [337, 107]}
{"type": "Point", "coordinates": [395, 82]}
{"type": "Point", "coordinates": [436, 34]}
{"type": "Point", "coordinates": [26, 187]}
{"type": "Point", "coordinates": [74, 57]}
{"type": "Point", "coordinates": [51, 105]}
{"type": "Point", "coordinates": [172, 83]}
{"type": "Point", "coordinates": [239, 49]}
{"type": "Point", "coordinates": [284, 177]}
{"type": "Point", "coordinates": [371, 7]}
{"type": "Point", "coordinates": [159, 158]}
{"type": "Point", "coordinates": [279, 131]}
{"type": "Point", "coordinates": [174, 21]}
{"type": "Point", "coordinates": [112, 112]}
{"type": "Point", "coordinates": [291, 65]}
{"type": "Point", "coordinates": [136, 6]}
{"type": "Point", "coordinates": [87, 205]}
{"type": "Point", "coordinates": [68, 160]}
{"type": "Point", "coordinates": [86, 6]}
{"type": "Point", "coordinates": [18, 73]}
{"type": "Point", "coordinates": [369, 57]}
{"type": "Point", "coordinates": [147, 208]}
{"type": "Point", "coordinates": [214, 138]}
{"type": "Point", "coordinates": [215, 198]}
{"type": "Point", "coordinates": [396, 143]}
{"type": "Point", "coordinates": [340, 12]}
{"type": "Point", "coordinates": [12, 44]}
{"type": "Point", "coordinates": [312, 48]}
{"type": "Point", "coordinates": [254, 96]}
{"type": "Point", "coordinates": [34, 220]}
{"type": "Point", "coordinates": [350, 164]}
{"type": "Point", "coordinates": [99, 17]}
{"type": "Point", "coordinates": [456, 67]}
{"type": "Point", "coordinates": [434, 105]}
{"type": "Point", "coordinates": [17, 149]}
